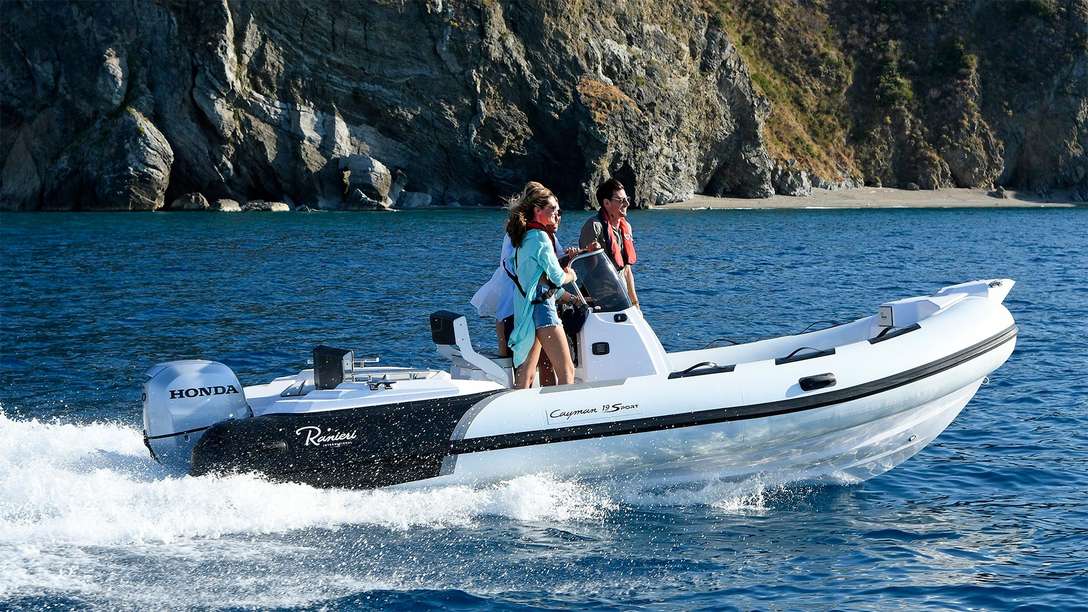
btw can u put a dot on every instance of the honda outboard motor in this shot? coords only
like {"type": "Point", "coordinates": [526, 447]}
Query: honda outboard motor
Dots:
{"type": "Point", "coordinates": [181, 400]}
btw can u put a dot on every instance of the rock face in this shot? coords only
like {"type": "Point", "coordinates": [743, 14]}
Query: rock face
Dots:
{"type": "Point", "coordinates": [790, 180]}
{"type": "Point", "coordinates": [925, 92]}
{"type": "Point", "coordinates": [380, 104]}
{"type": "Point", "coordinates": [453, 100]}
{"type": "Point", "coordinates": [412, 199]}
{"type": "Point", "coordinates": [121, 162]}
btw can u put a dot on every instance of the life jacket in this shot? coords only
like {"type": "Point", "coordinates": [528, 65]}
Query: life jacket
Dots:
{"type": "Point", "coordinates": [622, 254]}
{"type": "Point", "coordinates": [550, 232]}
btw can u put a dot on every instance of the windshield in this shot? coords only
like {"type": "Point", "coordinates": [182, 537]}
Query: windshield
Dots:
{"type": "Point", "coordinates": [599, 283]}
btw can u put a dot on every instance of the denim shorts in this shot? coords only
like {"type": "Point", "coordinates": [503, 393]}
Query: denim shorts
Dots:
{"type": "Point", "coordinates": [545, 314]}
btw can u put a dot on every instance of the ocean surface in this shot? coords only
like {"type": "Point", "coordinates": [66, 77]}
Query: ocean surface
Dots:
{"type": "Point", "coordinates": [992, 515]}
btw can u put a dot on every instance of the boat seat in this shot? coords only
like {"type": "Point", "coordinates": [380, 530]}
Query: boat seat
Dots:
{"type": "Point", "coordinates": [449, 331]}
{"type": "Point", "coordinates": [506, 362]}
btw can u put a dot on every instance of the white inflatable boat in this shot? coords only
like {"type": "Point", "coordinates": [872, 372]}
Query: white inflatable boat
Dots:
{"type": "Point", "coordinates": [843, 403]}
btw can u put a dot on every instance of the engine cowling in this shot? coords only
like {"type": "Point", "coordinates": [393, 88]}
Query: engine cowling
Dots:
{"type": "Point", "coordinates": [181, 400]}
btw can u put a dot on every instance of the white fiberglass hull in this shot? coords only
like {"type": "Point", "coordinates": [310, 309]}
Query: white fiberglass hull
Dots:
{"type": "Point", "coordinates": [847, 442]}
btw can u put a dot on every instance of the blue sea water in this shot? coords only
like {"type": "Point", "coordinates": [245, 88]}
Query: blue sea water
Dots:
{"type": "Point", "coordinates": [992, 515]}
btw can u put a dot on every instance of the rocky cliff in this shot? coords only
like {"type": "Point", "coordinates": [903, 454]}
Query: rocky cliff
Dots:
{"type": "Point", "coordinates": [137, 104]}
{"type": "Point", "coordinates": [924, 93]}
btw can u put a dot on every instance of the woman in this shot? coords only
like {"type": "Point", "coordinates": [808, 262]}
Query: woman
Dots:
{"type": "Point", "coordinates": [538, 275]}
{"type": "Point", "coordinates": [547, 373]}
{"type": "Point", "coordinates": [496, 297]}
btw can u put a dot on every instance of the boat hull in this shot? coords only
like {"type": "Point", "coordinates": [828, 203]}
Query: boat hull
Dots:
{"type": "Point", "coordinates": [844, 442]}
{"type": "Point", "coordinates": [847, 435]}
{"type": "Point", "coordinates": [843, 403]}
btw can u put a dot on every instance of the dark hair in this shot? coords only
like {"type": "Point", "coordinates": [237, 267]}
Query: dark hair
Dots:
{"type": "Point", "coordinates": [607, 189]}
{"type": "Point", "coordinates": [521, 209]}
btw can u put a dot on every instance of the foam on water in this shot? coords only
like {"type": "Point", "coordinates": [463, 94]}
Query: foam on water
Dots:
{"type": "Point", "coordinates": [96, 485]}
{"type": "Point", "coordinates": [75, 498]}
{"type": "Point", "coordinates": [754, 496]}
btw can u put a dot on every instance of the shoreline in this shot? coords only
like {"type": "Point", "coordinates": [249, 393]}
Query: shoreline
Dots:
{"type": "Point", "coordinates": [854, 198]}
{"type": "Point", "coordinates": [881, 197]}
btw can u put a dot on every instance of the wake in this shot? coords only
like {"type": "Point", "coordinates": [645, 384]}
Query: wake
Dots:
{"type": "Point", "coordinates": [83, 506]}
{"type": "Point", "coordinates": [95, 484]}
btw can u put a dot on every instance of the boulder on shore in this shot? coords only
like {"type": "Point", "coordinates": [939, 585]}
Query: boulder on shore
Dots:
{"type": "Point", "coordinates": [265, 206]}
{"type": "Point", "coordinates": [360, 201]}
{"type": "Point", "coordinates": [190, 201]}
{"type": "Point", "coordinates": [226, 205]}
{"type": "Point", "coordinates": [791, 180]}
{"type": "Point", "coordinates": [368, 176]}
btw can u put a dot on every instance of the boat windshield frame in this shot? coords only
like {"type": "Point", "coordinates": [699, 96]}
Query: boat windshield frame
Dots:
{"type": "Point", "coordinates": [598, 284]}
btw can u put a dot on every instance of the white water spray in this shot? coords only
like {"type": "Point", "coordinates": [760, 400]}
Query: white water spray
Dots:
{"type": "Point", "coordinates": [79, 502]}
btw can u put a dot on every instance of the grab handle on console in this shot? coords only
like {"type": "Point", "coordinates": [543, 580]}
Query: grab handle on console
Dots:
{"type": "Point", "coordinates": [817, 381]}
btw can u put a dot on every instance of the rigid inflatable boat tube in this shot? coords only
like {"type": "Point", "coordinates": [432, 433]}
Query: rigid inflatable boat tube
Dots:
{"type": "Point", "coordinates": [735, 413]}
{"type": "Point", "coordinates": [369, 446]}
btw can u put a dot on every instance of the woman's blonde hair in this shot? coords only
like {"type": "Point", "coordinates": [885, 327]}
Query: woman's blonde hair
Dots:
{"type": "Point", "coordinates": [521, 209]}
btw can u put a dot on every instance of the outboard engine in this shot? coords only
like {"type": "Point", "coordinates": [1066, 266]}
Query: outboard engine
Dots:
{"type": "Point", "coordinates": [181, 400]}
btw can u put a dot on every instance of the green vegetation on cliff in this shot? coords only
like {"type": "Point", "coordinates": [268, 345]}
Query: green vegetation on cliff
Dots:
{"type": "Point", "coordinates": [794, 59]}
{"type": "Point", "coordinates": [932, 92]}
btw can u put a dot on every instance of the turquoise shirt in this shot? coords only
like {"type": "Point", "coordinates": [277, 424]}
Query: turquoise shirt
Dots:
{"type": "Point", "coordinates": [535, 256]}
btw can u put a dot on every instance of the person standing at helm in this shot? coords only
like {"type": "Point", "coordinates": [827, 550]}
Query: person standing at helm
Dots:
{"type": "Point", "coordinates": [611, 230]}
{"type": "Point", "coordinates": [538, 276]}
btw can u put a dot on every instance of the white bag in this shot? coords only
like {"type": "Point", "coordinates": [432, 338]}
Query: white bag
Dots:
{"type": "Point", "coordinates": [496, 298]}
{"type": "Point", "coordinates": [488, 298]}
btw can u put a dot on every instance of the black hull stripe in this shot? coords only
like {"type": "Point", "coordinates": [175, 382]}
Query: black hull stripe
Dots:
{"type": "Point", "coordinates": [180, 433]}
{"type": "Point", "coordinates": [735, 413]}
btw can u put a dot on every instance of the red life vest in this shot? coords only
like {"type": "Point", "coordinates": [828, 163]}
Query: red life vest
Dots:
{"type": "Point", "coordinates": [622, 254]}
{"type": "Point", "coordinates": [544, 228]}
